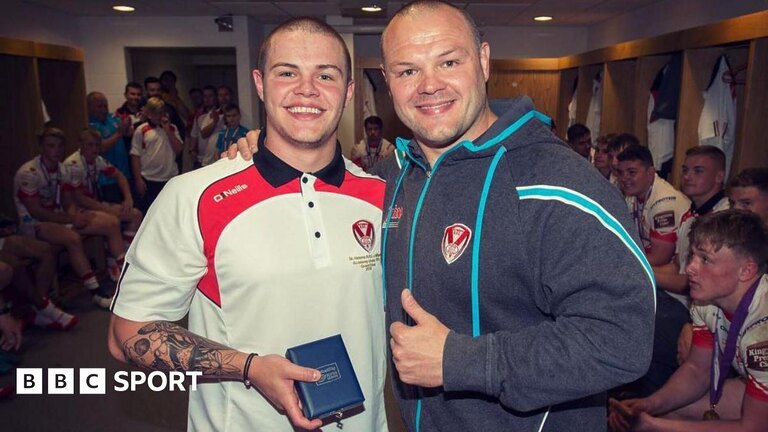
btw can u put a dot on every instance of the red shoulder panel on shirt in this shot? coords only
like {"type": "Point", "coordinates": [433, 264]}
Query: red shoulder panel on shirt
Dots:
{"type": "Point", "coordinates": [222, 202]}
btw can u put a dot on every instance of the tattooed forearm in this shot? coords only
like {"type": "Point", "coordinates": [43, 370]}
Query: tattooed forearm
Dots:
{"type": "Point", "coordinates": [165, 346]}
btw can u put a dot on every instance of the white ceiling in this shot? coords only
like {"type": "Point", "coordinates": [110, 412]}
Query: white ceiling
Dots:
{"type": "Point", "coordinates": [485, 12]}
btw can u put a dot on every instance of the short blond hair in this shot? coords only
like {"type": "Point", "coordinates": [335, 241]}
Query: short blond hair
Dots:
{"type": "Point", "coordinates": [155, 105]}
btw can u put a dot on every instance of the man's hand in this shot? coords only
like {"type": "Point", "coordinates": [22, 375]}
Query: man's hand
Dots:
{"type": "Point", "coordinates": [80, 218]}
{"type": "Point", "coordinates": [624, 416]}
{"type": "Point", "coordinates": [124, 126]}
{"type": "Point", "coordinates": [10, 333]}
{"type": "Point", "coordinates": [141, 186]}
{"type": "Point", "coordinates": [274, 377]}
{"type": "Point", "coordinates": [418, 350]}
{"type": "Point", "coordinates": [215, 116]}
{"type": "Point", "coordinates": [246, 146]}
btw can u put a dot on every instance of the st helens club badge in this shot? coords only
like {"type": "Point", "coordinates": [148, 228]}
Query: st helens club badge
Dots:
{"type": "Point", "coordinates": [455, 240]}
{"type": "Point", "coordinates": [364, 234]}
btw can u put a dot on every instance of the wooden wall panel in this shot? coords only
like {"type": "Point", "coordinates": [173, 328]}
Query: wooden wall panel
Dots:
{"type": "Point", "coordinates": [541, 86]}
{"type": "Point", "coordinates": [743, 28]}
{"type": "Point", "coordinates": [738, 57]}
{"type": "Point", "coordinates": [752, 145]}
{"type": "Point", "coordinates": [697, 69]}
{"type": "Point", "coordinates": [584, 92]}
{"type": "Point", "coordinates": [62, 87]}
{"type": "Point", "coordinates": [647, 68]}
{"type": "Point", "coordinates": [567, 78]}
{"type": "Point", "coordinates": [20, 119]}
{"type": "Point", "coordinates": [618, 97]}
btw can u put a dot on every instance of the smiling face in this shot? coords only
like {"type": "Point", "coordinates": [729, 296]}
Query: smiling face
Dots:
{"type": "Point", "coordinates": [436, 75]}
{"type": "Point", "coordinates": [635, 178]}
{"type": "Point", "coordinates": [304, 88]}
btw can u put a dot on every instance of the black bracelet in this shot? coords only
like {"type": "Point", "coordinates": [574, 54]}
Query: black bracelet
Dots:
{"type": "Point", "coordinates": [246, 367]}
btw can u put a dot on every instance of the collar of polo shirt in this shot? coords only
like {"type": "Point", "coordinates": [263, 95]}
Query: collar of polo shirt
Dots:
{"type": "Point", "coordinates": [278, 173]}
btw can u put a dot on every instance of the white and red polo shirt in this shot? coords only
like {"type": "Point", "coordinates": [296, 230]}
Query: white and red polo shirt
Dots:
{"type": "Point", "coordinates": [152, 145]}
{"type": "Point", "coordinates": [263, 258]}
{"type": "Point", "coordinates": [711, 325]}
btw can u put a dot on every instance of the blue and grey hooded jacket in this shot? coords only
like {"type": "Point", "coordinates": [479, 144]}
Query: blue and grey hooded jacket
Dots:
{"type": "Point", "coordinates": [527, 254]}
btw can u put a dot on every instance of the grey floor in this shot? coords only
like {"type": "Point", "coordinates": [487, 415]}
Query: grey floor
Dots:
{"type": "Point", "coordinates": [85, 346]}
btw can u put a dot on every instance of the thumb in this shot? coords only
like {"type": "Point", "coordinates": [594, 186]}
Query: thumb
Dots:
{"type": "Point", "coordinates": [412, 307]}
{"type": "Point", "coordinates": [300, 373]}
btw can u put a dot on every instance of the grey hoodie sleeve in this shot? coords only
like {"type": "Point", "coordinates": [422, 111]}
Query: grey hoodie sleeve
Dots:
{"type": "Point", "coordinates": [600, 299]}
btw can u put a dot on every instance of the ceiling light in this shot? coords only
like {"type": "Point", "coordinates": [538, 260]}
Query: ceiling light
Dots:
{"type": "Point", "coordinates": [373, 8]}
{"type": "Point", "coordinates": [542, 18]}
{"type": "Point", "coordinates": [124, 8]}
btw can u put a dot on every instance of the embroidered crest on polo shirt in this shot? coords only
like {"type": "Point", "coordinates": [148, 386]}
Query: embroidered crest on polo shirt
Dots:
{"type": "Point", "coordinates": [455, 241]}
{"type": "Point", "coordinates": [364, 234]}
{"type": "Point", "coordinates": [757, 356]}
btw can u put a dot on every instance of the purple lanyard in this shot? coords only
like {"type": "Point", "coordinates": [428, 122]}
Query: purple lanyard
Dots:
{"type": "Point", "coordinates": [730, 345]}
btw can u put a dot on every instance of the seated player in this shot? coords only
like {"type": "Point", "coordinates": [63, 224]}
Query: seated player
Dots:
{"type": "Point", "coordinates": [85, 166]}
{"type": "Point", "coordinates": [45, 210]}
{"type": "Point", "coordinates": [726, 271]}
{"type": "Point", "coordinates": [749, 191]}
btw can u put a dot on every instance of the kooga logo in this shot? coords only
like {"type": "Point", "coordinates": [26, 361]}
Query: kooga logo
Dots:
{"type": "Point", "coordinates": [230, 192]}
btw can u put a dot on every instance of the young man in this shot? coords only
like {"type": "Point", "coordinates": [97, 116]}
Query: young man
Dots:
{"type": "Point", "coordinates": [703, 177]}
{"type": "Point", "coordinates": [374, 147]}
{"type": "Point", "coordinates": [729, 251]}
{"type": "Point", "coordinates": [580, 139]}
{"type": "Point", "coordinates": [601, 159]}
{"type": "Point", "coordinates": [617, 145]}
{"type": "Point", "coordinates": [512, 330]}
{"type": "Point", "coordinates": [233, 130]}
{"type": "Point", "coordinates": [749, 191]}
{"type": "Point", "coordinates": [154, 148]}
{"type": "Point", "coordinates": [206, 130]}
{"type": "Point", "coordinates": [84, 167]}
{"type": "Point", "coordinates": [703, 174]}
{"type": "Point", "coordinates": [656, 206]}
{"type": "Point", "coordinates": [130, 110]}
{"type": "Point", "coordinates": [44, 205]}
{"type": "Point", "coordinates": [265, 255]}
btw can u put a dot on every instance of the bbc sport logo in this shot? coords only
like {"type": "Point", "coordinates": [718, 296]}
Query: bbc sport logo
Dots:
{"type": "Point", "coordinates": [30, 381]}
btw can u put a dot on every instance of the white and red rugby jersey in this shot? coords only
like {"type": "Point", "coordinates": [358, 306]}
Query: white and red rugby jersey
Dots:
{"type": "Point", "coordinates": [86, 176]}
{"type": "Point", "coordinates": [263, 258]}
{"type": "Point", "coordinates": [711, 324]}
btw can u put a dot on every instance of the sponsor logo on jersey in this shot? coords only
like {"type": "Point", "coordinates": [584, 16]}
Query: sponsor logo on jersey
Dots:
{"type": "Point", "coordinates": [757, 356]}
{"type": "Point", "coordinates": [664, 220]}
{"type": "Point", "coordinates": [455, 240]}
{"type": "Point", "coordinates": [219, 197]}
{"type": "Point", "coordinates": [394, 220]}
{"type": "Point", "coordinates": [364, 234]}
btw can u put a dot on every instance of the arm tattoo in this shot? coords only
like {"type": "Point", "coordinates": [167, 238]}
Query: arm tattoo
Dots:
{"type": "Point", "coordinates": [165, 346]}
